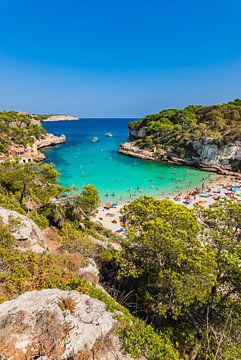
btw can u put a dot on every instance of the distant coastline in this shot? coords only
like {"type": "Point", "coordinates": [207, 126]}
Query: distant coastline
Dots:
{"type": "Point", "coordinates": [61, 117]}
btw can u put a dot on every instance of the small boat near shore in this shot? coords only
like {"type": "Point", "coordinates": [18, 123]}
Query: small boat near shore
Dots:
{"type": "Point", "coordinates": [108, 134]}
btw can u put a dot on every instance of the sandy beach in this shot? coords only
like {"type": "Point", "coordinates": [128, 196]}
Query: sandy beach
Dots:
{"type": "Point", "coordinates": [221, 188]}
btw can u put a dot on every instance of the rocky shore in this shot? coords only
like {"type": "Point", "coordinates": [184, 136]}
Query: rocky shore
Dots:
{"type": "Point", "coordinates": [50, 140]}
{"type": "Point", "coordinates": [31, 153]}
{"type": "Point", "coordinates": [210, 161]}
{"type": "Point", "coordinates": [131, 149]}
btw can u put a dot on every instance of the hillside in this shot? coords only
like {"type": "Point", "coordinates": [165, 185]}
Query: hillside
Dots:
{"type": "Point", "coordinates": [48, 241]}
{"type": "Point", "coordinates": [169, 291]}
{"type": "Point", "coordinates": [201, 134]}
{"type": "Point", "coordinates": [22, 135]}
{"type": "Point", "coordinates": [19, 128]}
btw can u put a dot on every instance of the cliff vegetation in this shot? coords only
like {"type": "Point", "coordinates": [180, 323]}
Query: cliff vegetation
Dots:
{"type": "Point", "coordinates": [184, 133]}
{"type": "Point", "coordinates": [19, 128]}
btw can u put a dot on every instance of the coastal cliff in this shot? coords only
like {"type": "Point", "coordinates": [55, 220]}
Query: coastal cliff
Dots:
{"type": "Point", "coordinates": [23, 136]}
{"type": "Point", "coordinates": [208, 137]}
{"type": "Point", "coordinates": [61, 117]}
{"type": "Point", "coordinates": [211, 157]}
{"type": "Point", "coordinates": [49, 140]}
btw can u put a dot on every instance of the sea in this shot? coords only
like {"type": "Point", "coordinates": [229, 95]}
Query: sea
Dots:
{"type": "Point", "coordinates": [117, 177]}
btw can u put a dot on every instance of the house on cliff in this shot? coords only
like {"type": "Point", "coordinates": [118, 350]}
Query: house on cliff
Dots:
{"type": "Point", "coordinates": [19, 152]}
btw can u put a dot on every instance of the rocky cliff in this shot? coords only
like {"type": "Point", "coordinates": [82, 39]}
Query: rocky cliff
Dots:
{"type": "Point", "coordinates": [22, 137]}
{"type": "Point", "coordinates": [205, 154]}
{"type": "Point", "coordinates": [204, 136]}
{"type": "Point", "coordinates": [57, 324]}
{"type": "Point", "coordinates": [49, 140]}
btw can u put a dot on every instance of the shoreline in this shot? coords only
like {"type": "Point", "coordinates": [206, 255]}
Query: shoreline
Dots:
{"type": "Point", "coordinates": [33, 153]}
{"type": "Point", "coordinates": [130, 149]}
{"type": "Point", "coordinates": [205, 195]}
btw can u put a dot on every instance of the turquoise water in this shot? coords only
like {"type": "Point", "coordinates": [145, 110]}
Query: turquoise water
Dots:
{"type": "Point", "coordinates": [81, 162]}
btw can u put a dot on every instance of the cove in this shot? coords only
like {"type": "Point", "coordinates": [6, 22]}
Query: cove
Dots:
{"type": "Point", "coordinates": [82, 162]}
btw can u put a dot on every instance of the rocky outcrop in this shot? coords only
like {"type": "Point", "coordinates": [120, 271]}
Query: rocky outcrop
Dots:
{"type": "Point", "coordinates": [23, 229]}
{"type": "Point", "coordinates": [217, 155]}
{"type": "Point", "coordinates": [50, 140]}
{"type": "Point", "coordinates": [61, 117]}
{"type": "Point", "coordinates": [33, 152]}
{"type": "Point", "coordinates": [57, 324]}
{"type": "Point", "coordinates": [206, 155]}
{"type": "Point", "coordinates": [90, 272]}
{"type": "Point", "coordinates": [137, 133]}
{"type": "Point", "coordinates": [131, 149]}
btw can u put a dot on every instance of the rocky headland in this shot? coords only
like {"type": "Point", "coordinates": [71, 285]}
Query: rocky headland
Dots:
{"type": "Point", "coordinates": [23, 136]}
{"type": "Point", "coordinates": [211, 158]}
{"type": "Point", "coordinates": [207, 137]}
{"type": "Point", "coordinates": [49, 140]}
{"type": "Point", "coordinates": [61, 117]}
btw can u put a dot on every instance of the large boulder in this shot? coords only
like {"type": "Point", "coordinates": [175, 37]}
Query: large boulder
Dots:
{"type": "Point", "coordinates": [57, 324]}
{"type": "Point", "coordinates": [23, 229]}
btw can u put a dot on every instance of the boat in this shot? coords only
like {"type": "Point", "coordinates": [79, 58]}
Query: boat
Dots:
{"type": "Point", "coordinates": [108, 134]}
{"type": "Point", "coordinates": [94, 139]}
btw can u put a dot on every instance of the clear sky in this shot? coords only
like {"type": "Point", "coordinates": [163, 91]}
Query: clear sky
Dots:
{"type": "Point", "coordinates": [118, 58]}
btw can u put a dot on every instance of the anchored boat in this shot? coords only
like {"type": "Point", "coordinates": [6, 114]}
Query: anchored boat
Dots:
{"type": "Point", "coordinates": [94, 139]}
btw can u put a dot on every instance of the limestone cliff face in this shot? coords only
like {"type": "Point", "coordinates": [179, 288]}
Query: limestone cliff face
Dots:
{"type": "Point", "coordinates": [138, 133]}
{"type": "Point", "coordinates": [50, 140]}
{"type": "Point", "coordinates": [23, 229]}
{"type": "Point", "coordinates": [57, 324]}
{"type": "Point", "coordinates": [33, 152]}
{"type": "Point", "coordinates": [222, 155]}
{"type": "Point", "coordinates": [204, 153]}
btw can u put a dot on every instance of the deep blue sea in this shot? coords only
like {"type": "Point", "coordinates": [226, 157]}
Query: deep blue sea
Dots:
{"type": "Point", "coordinates": [82, 162]}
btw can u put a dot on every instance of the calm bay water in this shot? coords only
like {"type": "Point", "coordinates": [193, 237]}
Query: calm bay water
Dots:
{"type": "Point", "coordinates": [81, 162]}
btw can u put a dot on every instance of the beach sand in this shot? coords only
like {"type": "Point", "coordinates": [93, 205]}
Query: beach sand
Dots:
{"type": "Point", "coordinates": [220, 188]}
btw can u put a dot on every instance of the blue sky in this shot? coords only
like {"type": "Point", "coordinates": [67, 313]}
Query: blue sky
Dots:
{"type": "Point", "coordinates": [118, 58]}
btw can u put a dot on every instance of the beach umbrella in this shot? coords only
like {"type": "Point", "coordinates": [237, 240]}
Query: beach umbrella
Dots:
{"type": "Point", "coordinates": [108, 206]}
{"type": "Point", "coordinates": [119, 231]}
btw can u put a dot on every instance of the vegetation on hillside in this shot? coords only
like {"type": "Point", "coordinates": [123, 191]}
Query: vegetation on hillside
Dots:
{"type": "Point", "coordinates": [180, 270]}
{"type": "Point", "coordinates": [18, 128]}
{"type": "Point", "coordinates": [37, 196]}
{"type": "Point", "coordinates": [31, 190]}
{"type": "Point", "coordinates": [173, 130]}
{"type": "Point", "coordinates": [177, 275]}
